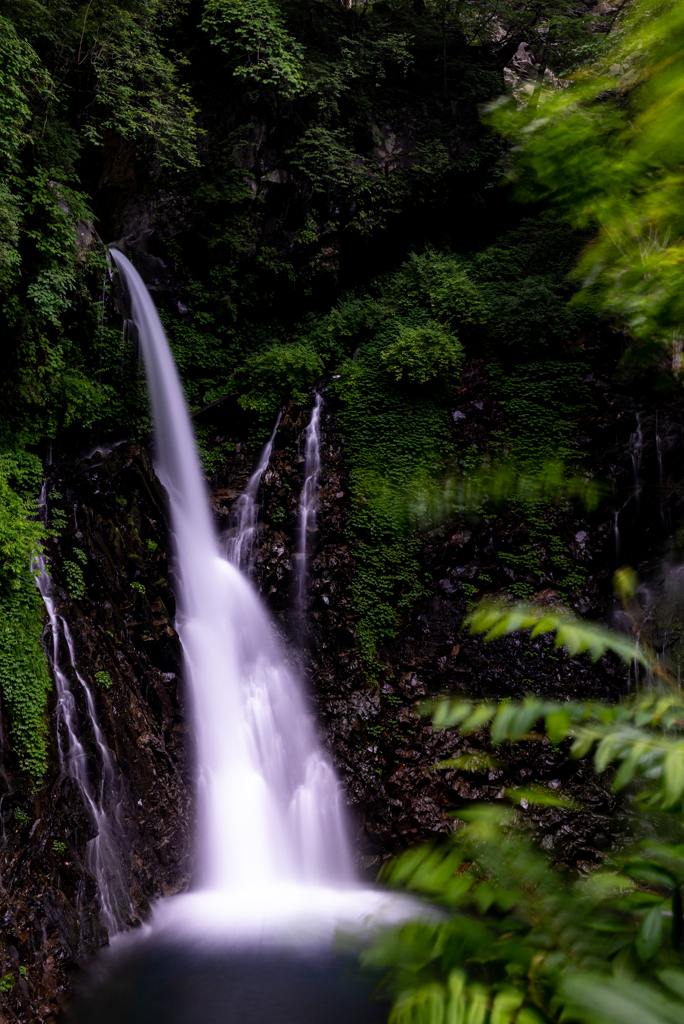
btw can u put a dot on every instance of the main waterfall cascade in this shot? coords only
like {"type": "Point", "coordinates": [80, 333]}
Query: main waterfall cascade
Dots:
{"type": "Point", "coordinates": [273, 853]}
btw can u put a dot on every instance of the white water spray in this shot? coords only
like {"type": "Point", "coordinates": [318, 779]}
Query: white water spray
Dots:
{"type": "Point", "coordinates": [103, 857]}
{"type": "Point", "coordinates": [272, 852]}
{"type": "Point", "coordinates": [241, 546]}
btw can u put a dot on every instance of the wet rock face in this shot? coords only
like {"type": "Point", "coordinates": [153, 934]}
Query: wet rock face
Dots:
{"type": "Point", "coordinates": [127, 653]}
{"type": "Point", "coordinates": [384, 751]}
{"type": "Point", "coordinates": [109, 511]}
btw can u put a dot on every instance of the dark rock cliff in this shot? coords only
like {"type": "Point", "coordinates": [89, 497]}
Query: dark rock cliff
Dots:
{"type": "Point", "coordinates": [123, 631]}
{"type": "Point", "coordinates": [127, 652]}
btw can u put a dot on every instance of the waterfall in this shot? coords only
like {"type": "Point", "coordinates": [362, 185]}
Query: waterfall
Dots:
{"type": "Point", "coordinates": [307, 501]}
{"type": "Point", "coordinates": [103, 858]}
{"type": "Point", "coordinates": [241, 546]}
{"type": "Point", "coordinates": [272, 843]}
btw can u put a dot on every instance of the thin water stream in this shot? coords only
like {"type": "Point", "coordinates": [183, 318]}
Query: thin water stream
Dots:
{"type": "Point", "coordinates": [103, 851]}
{"type": "Point", "coordinates": [307, 501]}
{"type": "Point", "coordinates": [241, 544]}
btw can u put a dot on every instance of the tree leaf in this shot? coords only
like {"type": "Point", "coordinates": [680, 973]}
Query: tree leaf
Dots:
{"type": "Point", "coordinates": [673, 979]}
{"type": "Point", "coordinates": [504, 1006]}
{"type": "Point", "coordinates": [558, 725]}
{"type": "Point", "coordinates": [673, 773]}
{"type": "Point", "coordinates": [449, 713]}
{"type": "Point", "coordinates": [479, 716]}
{"type": "Point", "coordinates": [677, 918]}
{"type": "Point", "coordinates": [650, 932]}
{"type": "Point", "coordinates": [497, 619]}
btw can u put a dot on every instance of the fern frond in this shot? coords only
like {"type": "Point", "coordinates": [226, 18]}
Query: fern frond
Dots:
{"type": "Point", "coordinates": [497, 619]}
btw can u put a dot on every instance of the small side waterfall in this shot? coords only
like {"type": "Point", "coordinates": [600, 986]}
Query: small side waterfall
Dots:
{"type": "Point", "coordinates": [241, 546]}
{"type": "Point", "coordinates": [103, 857]}
{"type": "Point", "coordinates": [307, 501]}
{"type": "Point", "coordinates": [272, 845]}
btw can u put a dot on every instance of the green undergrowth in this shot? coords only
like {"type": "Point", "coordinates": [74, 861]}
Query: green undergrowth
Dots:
{"type": "Point", "coordinates": [401, 346]}
{"type": "Point", "coordinates": [394, 438]}
{"type": "Point", "coordinates": [396, 393]}
{"type": "Point", "coordinates": [538, 357]}
{"type": "Point", "coordinates": [24, 679]}
{"type": "Point", "coordinates": [545, 555]}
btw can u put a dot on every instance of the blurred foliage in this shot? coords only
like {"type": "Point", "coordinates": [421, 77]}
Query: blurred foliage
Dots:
{"type": "Point", "coordinates": [607, 150]}
{"type": "Point", "coordinates": [494, 485]}
{"type": "Point", "coordinates": [572, 633]}
{"type": "Point", "coordinates": [518, 939]}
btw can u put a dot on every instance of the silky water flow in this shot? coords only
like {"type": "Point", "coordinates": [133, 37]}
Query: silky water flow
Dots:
{"type": "Point", "coordinates": [241, 543]}
{"type": "Point", "coordinates": [252, 941]}
{"type": "Point", "coordinates": [307, 501]}
{"type": "Point", "coordinates": [103, 851]}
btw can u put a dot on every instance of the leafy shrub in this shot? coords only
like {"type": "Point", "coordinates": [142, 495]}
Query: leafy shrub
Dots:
{"type": "Point", "coordinates": [253, 34]}
{"type": "Point", "coordinates": [531, 314]}
{"type": "Point", "coordinates": [439, 282]}
{"type": "Point", "coordinates": [75, 581]}
{"type": "Point", "coordinates": [138, 91]}
{"type": "Point", "coordinates": [20, 535]}
{"type": "Point", "coordinates": [421, 354]}
{"type": "Point", "coordinates": [269, 378]}
{"type": "Point", "coordinates": [104, 679]}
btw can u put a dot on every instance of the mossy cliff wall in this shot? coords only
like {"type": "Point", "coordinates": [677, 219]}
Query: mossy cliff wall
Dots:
{"type": "Point", "coordinates": [119, 608]}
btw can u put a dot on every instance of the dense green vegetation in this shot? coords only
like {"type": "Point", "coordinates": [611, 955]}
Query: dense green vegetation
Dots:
{"type": "Point", "coordinates": [339, 218]}
{"type": "Point", "coordinates": [357, 102]}
{"type": "Point", "coordinates": [520, 940]}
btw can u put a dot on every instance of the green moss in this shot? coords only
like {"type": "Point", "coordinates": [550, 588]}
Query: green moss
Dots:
{"type": "Point", "coordinates": [543, 400]}
{"type": "Point", "coordinates": [24, 678]}
{"type": "Point", "coordinates": [395, 438]}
